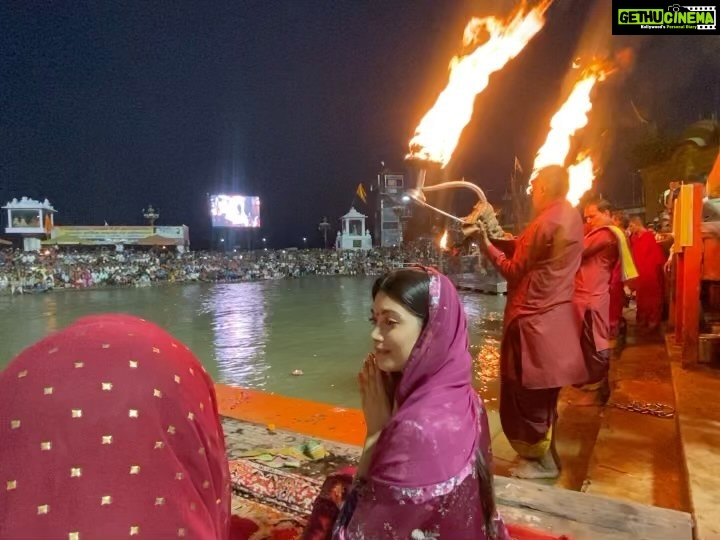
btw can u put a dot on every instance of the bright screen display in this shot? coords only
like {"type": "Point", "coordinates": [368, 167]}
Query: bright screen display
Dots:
{"type": "Point", "coordinates": [235, 211]}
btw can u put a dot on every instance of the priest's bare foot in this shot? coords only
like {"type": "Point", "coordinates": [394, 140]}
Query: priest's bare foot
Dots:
{"type": "Point", "coordinates": [543, 468]}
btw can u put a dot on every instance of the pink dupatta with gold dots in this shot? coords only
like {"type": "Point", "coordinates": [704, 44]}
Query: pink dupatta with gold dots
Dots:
{"type": "Point", "coordinates": [109, 429]}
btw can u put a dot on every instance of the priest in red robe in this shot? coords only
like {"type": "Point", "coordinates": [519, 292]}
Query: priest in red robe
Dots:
{"type": "Point", "coordinates": [648, 286]}
{"type": "Point", "coordinates": [618, 298]}
{"type": "Point", "coordinates": [606, 256]}
{"type": "Point", "coordinates": [540, 351]}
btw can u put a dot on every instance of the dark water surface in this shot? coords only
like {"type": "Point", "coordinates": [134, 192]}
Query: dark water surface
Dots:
{"type": "Point", "coordinates": [255, 334]}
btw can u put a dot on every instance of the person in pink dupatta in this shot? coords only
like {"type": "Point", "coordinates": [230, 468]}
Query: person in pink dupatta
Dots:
{"type": "Point", "coordinates": [425, 468]}
{"type": "Point", "coordinates": [109, 429]}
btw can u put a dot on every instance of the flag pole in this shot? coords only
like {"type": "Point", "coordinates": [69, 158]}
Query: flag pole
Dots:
{"type": "Point", "coordinates": [518, 195]}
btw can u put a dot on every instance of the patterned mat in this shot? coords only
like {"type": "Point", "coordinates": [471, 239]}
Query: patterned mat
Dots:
{"type": "Point", "coordinates": [255, 521]}
{"type": "Point", "coordinates": [273, 503]}
{"type": "Point", "coordinates": [288, 492]}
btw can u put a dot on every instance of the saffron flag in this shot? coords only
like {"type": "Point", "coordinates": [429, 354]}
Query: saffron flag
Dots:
{"type": "Point", "coordinates": [683, 232]}
{"type": "Point", "coordinates": [360, 192]}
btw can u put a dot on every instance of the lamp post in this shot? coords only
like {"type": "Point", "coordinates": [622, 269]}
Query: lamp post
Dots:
{"type": "Point", "coordinates": [324, 227]}
{"type": "Point", "coordinates": [151, 215]}
{"type": "Point", "coordinates": [304, 242]}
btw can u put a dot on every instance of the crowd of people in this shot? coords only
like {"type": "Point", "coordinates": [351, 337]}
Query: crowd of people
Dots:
{"type": "Point", "coordinates": [72, 269]}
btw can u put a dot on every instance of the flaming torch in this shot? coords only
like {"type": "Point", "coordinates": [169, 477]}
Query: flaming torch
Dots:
{"type": "Point", "coordinates": [438, 133]}
{"type": "Point", "coordinates": [572, 117]}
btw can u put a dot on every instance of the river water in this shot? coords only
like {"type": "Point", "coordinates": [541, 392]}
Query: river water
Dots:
{"type": "Point", "coordinates": [255, 334]}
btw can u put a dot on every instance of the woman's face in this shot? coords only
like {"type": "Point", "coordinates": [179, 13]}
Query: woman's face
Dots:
{"type": "Point", "coordinates": [395, 331]}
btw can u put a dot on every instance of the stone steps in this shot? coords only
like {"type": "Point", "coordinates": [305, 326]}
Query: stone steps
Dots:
{"type": "Point", "coordinates": [637, 456]}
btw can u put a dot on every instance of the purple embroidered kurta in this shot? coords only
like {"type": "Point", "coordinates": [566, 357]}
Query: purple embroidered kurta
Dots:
{"type": "Point", "coordinates": [449, 509]}
{"type": "Point", "coordinates": [422, 481]}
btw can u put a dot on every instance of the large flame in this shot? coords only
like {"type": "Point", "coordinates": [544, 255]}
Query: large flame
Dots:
{"type": "Point", "coordinates": [438, 133]}
{"type": "Point", "coordinates": [568, 121]}
{"type": "Point", "coordinates": [444, 241]}
{"type": "Point", "coordinates": [581, 177]}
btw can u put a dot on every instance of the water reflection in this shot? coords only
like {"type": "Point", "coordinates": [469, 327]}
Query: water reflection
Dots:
{"type": "Point", "coordinates": [486, 368]}
{"type": "Point", "coordinates": [256, 334]}
{"type": "Point", "coordinates": [349, 295]}
{"type": "Point", "coordinates": [485, 315]}
{"type": "Point", "coordinates": [20, 328]}
{"type": "Point", "coordinates": [354, 303]}
{"type": "Point", "coordinates": [50, 313]}
{"type": "Point", "coordinates": [318, 326]}
{"type": "Point", "coordinates": [239, 326]}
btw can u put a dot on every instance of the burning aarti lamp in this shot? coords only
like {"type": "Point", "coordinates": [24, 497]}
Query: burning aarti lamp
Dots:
{"type": "Point", "coordinates": [417, 194]}
{"type": "Point", "coordinates": [482, 210]}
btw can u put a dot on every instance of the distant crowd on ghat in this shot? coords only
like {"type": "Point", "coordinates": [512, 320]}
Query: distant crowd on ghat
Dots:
{"type": "Point", "coordinates": [22, 272]}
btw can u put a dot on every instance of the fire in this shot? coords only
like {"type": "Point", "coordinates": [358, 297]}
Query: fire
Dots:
{"type": "Point", "coordinates": [567, 121]}
{"type": "Point", "coordinates": [444, 241]}
{"type": "Point", "coordinates": [438, 133]}
{"type": "Point", "coordinates": [581, 179]}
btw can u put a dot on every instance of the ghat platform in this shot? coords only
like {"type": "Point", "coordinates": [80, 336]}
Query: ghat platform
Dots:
{"type": "Point", "coordinates": [255, 420]}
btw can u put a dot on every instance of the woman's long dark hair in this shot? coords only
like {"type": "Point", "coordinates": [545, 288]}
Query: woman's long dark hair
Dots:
{"type": "Point", "coordinates": [410, 287]}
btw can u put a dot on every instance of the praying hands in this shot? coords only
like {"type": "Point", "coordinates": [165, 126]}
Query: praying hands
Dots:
{"type": "Point", "coordinates": [375, 400]}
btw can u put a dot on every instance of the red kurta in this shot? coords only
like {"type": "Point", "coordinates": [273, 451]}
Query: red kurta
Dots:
{"type": "Point", "coordinates": [541, 283]}
{"type": "Point", "coordinates": [649, 261]}
{"type": "Point", "coordinates": [617, 300]}
{"type": "Point", "coordinates": [592, 282]}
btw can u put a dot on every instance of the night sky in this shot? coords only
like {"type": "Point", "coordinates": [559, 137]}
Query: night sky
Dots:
{"type": "Point", "coordinates": [108, 106]}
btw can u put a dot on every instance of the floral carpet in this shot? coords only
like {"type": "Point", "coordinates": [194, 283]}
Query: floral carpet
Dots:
{"type": "Point", "coordinates": [256, 521]}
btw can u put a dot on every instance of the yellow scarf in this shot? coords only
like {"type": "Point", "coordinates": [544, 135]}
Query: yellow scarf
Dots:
{"type": "Point", "coordinates": [627, 264]}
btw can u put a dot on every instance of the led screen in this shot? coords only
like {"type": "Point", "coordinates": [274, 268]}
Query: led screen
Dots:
{"type": "Point", "coordinates": [235, 211]}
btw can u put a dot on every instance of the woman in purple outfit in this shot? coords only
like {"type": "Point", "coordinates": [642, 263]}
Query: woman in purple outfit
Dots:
{"type": "Point", "coordinates": [425, 471]}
